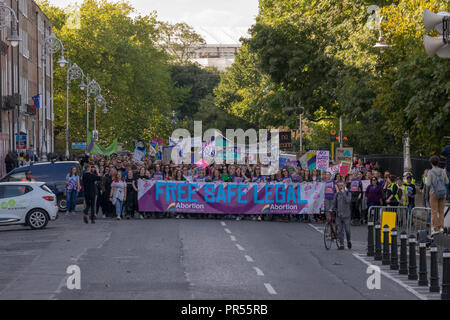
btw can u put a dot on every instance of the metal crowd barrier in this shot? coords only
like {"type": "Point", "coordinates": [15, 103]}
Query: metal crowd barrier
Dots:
{"type": "Point", "coordinates": [402, 222]}
{"type": "Point", "coordinates": [420, 219]}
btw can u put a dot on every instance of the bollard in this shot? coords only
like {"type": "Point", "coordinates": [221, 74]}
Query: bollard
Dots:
{"type": "Point", "coordinates": [445, 294]}
{"type": "Point", "coordinates": [394, 250]}
{"type": "Point", "coordinates": [412, 274]}
{"type": "Point", "coordinates": [423, 277]}
{"type": "Point", "coordinates": [386, 255]}
{"type": "Point", "coordinates": [378, 242]}
{"type": "Point", "coordinates": [434, 274]}
{"type": "Point", "coordinates": [370, 243]}
{"type": "Point", "coordinates": [403, 254]}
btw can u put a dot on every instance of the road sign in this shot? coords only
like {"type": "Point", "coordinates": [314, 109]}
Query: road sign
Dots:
{"type": "Point", "coordinates": [79, 145]}
{"type": "Point", "coordinates": [333, 132]}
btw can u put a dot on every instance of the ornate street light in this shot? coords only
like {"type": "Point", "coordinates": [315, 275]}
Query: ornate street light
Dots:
{"type": "Point", "coordinates": [51, 45]}
{"type": "Point", "coordinates": [4, 9]}
{"type": "Point", "coordinates": [74, 72]}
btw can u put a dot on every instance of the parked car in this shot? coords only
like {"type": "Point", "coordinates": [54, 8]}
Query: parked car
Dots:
{"type": "Point", "coordinates": [30, 204]}
{"type": "Point", "coordinates": [53, 174]}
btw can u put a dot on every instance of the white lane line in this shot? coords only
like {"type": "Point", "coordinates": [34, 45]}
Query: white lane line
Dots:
{"type": "Point", "coordinates": [223, 224]}
{"type": "Point", "coordinates": [316, 228]}
{"type": "Point", "coordinates": [259, 271]}
{"type": "Point", "coordinates": [233, 238]}
{"type": "Point", "coordinates": [240, 247]}
{"type": "Point", "coordinates": [399, 282]}
{"type": "Point", "coordinates": [269, 288]}
{"type": "Point", "coordinates": [227, 231]}
{"type": "Point", "coordinates": [249, 259]}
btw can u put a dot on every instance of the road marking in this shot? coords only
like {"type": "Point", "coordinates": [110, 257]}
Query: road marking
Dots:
{"type": "Point", "coordinates": [233, 238]}
{"type": "Point", "coordinates": [240, 247]}
{"type": "Point", "coordinates": [227, 231]}
{"type": "Point", "coordinates": [387, 275]}
{"type": "Point", "coordinates": [259, 271]}
{"type": "Point", "coordinates": [223, 224]}
{"type": "Point", "coordinates": [320, 230]}
{"type": "Point", "coordinates": [249, 259]}
{"type": "Point", "coordinates": [269, 288]}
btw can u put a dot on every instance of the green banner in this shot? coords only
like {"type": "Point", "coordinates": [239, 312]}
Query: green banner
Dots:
{"type": "Point", "coordinates": [95, 148]}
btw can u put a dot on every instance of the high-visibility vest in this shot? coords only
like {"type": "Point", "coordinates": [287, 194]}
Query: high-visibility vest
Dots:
{"type": "Point", "coordinates": [404, 196]}
{"type": "Point", "coordinates": [391, 187]}
{"type": "Point", "coordinates": [412, 181]}
{"type": "Point", "coordinates": [25, 180]}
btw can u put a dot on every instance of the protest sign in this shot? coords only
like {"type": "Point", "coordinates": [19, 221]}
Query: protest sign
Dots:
{"type": "Point", "coordinates": [322, 160]}
{"type": "Point", "coordinates": [230, 198]}
{"type": "Point", "coordinates": [311, 159]}
{"type": "Point", "coordinates": [344, 155]}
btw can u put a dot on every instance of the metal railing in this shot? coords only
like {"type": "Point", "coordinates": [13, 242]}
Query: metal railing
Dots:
{"type": "Point", "coordinates": [420, 219]}
{"type": "Point", "coordinates": [402, 222]}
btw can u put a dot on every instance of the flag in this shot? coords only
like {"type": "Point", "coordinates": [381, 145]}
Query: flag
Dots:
{"type": "Point", "coordinates": [202, 164]}
{"type": "Point", "coordinates": [37, 102]}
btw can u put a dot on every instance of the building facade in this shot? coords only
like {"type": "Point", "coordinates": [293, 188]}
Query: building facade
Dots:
{"type": "Point", "coordinates": [24, 129]}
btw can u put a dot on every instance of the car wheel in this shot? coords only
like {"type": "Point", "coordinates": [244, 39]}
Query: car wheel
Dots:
{"type": "Point", "coordinates": [62, 204]}
{"type": "Point", "coordinates": [37, 219]}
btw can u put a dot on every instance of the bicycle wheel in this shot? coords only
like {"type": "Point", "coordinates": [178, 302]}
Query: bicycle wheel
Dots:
{"type": "Point", "coordinates": [328, 236]}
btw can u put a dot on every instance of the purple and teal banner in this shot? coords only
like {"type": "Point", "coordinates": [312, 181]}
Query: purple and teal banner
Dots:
{"type": "Point", "coordinates": [230, 198]}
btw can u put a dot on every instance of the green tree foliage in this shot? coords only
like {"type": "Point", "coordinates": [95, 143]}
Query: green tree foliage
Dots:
{"type": "Point", "coordinates": [320, 53]}
{"type": "Point", "coordinates": [194, 84]}
{"type": "Point", "coordinates": [121, 53]}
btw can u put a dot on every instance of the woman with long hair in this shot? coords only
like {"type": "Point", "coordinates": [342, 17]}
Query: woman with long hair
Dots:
{"type": "Point", "coordinates": [72, 189]}
{"type": "Point", "coordinates": [118, 193]}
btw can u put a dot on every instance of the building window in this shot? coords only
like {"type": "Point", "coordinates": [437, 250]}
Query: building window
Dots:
{"type": "Point", "coordinates": [23, 46]}
{"type": "Point", "coordinates": [23, 7]}
{"type": "Point", "coordinates": [24, 92]}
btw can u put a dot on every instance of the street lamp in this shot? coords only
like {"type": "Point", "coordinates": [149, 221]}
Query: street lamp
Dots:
{"type": "Point", "coordinates": [92, 89]}
{"type": "Point", "coordinates": [51, 45]}
{"type": "Point", "coordinates": [100, 102]}
{"type": "Point", "coordinates": [299, 110]}
{"type": "Point", "coordinates": [74, 72]}
{"type": "Point", "coordinates": [13, 37]}
{"type": "Point", "coordinates": [173, 120]}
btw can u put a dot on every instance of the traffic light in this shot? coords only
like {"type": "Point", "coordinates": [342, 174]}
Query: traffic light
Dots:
{"type": "Point", "coordinates": [440, 22]}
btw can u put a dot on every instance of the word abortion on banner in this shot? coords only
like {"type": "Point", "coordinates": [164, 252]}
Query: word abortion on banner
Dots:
{"type": "Point", "coordinates": [230, 198]}
{"type": "Point", "coordinates": [322, 160]}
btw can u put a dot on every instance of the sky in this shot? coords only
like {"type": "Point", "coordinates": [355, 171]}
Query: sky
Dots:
{"type": "Point", "coordinates": [197, 13]}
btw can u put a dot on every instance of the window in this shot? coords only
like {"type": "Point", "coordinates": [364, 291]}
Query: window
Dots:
{"type": "Point", "coordinates": [23, 45]}
{"type": "Point", "coordinates": [14, 191]}
{"type": "Point", "coordinates": [24, 91]}
{"type": "Point", "coordinates": [15, 177]}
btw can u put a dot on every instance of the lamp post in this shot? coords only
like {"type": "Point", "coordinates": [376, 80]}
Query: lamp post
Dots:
{"type": "Point", "coordinates": [51, 45]}
{"type": "Point", "coordinates": [92, 89]}
{"type": "Point", "coordinates": [74, 72]}
{"type": "Point", "coordinates": [100, 102]}
{"type": "Point", "coordinates": [299, 110]}
{"type": "Point", "coordinates": [14, 39]}
{"type": "Point", "coordinates": [173, 120]}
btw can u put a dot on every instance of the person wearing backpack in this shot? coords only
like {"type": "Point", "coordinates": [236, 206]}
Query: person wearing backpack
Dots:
{"type": "Point", "coordinates": [436, 181]}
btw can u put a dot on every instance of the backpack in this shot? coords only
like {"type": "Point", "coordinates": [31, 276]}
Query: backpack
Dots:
{"type": "Point", "coordinates": [438, 185]}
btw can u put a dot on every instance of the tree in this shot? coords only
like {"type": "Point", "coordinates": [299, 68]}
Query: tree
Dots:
{"type": "Point", "coordinates": [120, 52]}
{"type": "Point", "coordinates": [180, 40]}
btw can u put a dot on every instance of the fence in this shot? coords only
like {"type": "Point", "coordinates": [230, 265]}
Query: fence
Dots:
{"type": "Point", "coordinates": [402, 221]}
{"type": "Point", "coordinates": [420, 219]}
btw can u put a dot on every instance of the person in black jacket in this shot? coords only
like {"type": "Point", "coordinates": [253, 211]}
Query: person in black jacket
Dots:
{"type": "Point", "coordinates": [90, 191]}
{"type": "Point", "coordinates": [9, 163]}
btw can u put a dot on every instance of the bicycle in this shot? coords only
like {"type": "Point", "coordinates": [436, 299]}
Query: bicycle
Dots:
{"type": "Point", "coordinates": [330, 231]}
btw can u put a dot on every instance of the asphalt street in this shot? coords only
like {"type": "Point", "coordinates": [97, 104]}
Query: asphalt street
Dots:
{"type": "Point", "coordinates": [184, 259]}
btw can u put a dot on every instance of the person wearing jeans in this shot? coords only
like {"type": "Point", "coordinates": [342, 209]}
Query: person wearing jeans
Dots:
{"type": "Point", "coordinates": [72, 189]}
{"type": "Point", "coordinates": [118, 193]}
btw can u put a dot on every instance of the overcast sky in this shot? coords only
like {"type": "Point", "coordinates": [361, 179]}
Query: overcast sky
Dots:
{"type": "Point", "coordinates": [198, 13]}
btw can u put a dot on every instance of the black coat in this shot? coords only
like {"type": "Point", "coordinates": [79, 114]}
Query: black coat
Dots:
{"type": "Point", "coordinates": [89, 187]}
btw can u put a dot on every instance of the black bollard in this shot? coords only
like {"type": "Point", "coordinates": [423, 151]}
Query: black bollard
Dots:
{"type": "Point", "coordinates": [412, 274]}
{"type": "Point", "coordinates": [423, 277]}
{"type": "Point", "coordinates": [370, 242]}
{"type": "Point", "coordinates": [394, 250]}
{"type": "Point", "coordinates": [386, 254]}
{"type": "Point", "coordinates": [445, 294]}
{"type": "Point", "coordinates": [403, 254]}
{"type": "Point", "coordinates": [378, 242]}
{"type": "Point", "coordinates": [434, 274]}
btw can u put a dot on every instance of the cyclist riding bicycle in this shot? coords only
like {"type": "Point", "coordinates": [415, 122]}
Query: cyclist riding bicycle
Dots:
{"type": "Point", "coordinates": [342, 206]}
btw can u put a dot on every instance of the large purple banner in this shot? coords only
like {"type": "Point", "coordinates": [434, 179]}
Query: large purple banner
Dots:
{"type": "Point", "coordinates": [230, 198]}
